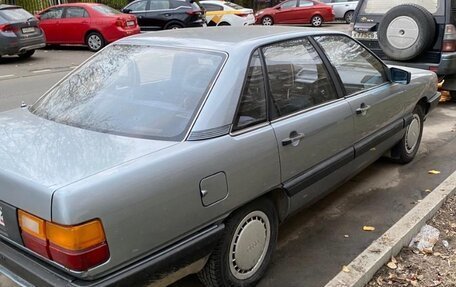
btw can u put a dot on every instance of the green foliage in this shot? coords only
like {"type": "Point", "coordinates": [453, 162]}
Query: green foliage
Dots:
{"type": "Point", "coordinates": [34, 6]}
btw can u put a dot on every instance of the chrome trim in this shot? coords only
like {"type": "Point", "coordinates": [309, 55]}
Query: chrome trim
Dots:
{"type": "Point", "coordinates": [13, 277]}
{"type": "Point", "coordinates": [209, 133]}
{"type": "Point", "coordinates": [32, 47]}
{"type": "Point", "coordinates": [370, 89]}
{"type": "Point", "coordinates": [249, 129]}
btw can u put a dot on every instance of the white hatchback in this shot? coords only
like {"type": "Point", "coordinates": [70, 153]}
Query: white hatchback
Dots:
{"type": "Point", "coordinates": [344, 9]}
{"type": "Point", "coordinates": [224, 13]}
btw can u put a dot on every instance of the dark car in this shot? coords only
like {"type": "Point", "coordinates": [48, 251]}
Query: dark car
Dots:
{"type": "Point", "coordinates": [20, 33]}
{"type": "Point", "coordinates": [166, 14]}
{"type": "Point", "coordinates": [414, 33]}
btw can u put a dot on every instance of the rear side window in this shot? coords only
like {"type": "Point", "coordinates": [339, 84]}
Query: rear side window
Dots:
{"type": "Point", "coordinates": [212, 7]}
{"type": "Point", "coordinates": [76, 12]}
{"type": "Point", "coordinates": [436, 7]}
{"type": "Point", "coordinates": [159, 5]}
{"type": "Point", "coordinates": [138, 6]}
{"type": "Point", "coordinates": [106, 10]}
{"type": "Point", "coordinates": [289, 4]}
{"type": "Point", "coordinates": [54, 13]}
{"type": "Point", "coordinates": [358, 69]}
{"type": "Point", "coordinates": [305, 3]}
{"type": "Point", "coordinates": [233, 5]}
{"type": "Point", "coordinates": [15, 14]}
{"type": "Point", "coordinates": [252, 108]}
{"type": "Point", "coordinates": [297, 76]}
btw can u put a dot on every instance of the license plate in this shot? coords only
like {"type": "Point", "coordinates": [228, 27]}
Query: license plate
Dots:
{"type": "Point", "coordinates": [28, 30]}
{"type": "Point", "coordinates": [365, 35]}
{"type": "Point", "coordinates": [130, 23]}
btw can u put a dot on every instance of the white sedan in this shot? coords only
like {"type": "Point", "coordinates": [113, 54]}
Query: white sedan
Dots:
{"type": "Point", "coordinates": [224, 13]}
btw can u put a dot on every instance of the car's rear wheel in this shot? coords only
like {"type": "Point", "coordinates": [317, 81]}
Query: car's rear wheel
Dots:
{"type": "Point", "coordinates": [224, 24]}
{"type": "Point", "coordinates": [243, 254]}
{"type": "Point", "coordinates": [173, 26]}
{"type": "Point", "coordinates": [348, 17]}
{"type": "Point", "coordinates": [95, 41]}
{"type": "Point", "coordinates": [267, 21]}
{"type": "Point", "coordinates": [405, 151]}
{"type": "Point", "coordinates": [26, 54]}
{"type": "Point", "coordinates": [316, 21]}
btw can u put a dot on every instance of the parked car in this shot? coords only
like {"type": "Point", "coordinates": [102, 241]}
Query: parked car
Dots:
{"type": "Point", "coordinates": [411, 33]}
{"type": "Point", "coordinates": [223, 13]}
{"type": "Point", "coordinates": [296, 12]}
{"type": "Point", "coordinates": [120, 168]}
{"type": "Point", "coordinates": [94, 25]}
{"type": "Point", "coordinates": [344, 9]}
{"type": "Point", "coordinates": [20, 33]}
{"type": "Point", "coordinates": [166, 14]}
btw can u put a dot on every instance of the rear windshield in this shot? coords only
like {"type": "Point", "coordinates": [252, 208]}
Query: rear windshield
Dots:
{"type": "Point", "coordinates": [15, 14]}
{"type": "Point", "coordinates": [233, 5]}
{"type": "Point", "coordinates": [134, 90]}
{"type": "Point", "coordinates": [436, 7]}
{"type": "Point", "coordinates": [106, 10]}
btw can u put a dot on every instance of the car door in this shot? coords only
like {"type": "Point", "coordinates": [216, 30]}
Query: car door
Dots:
{"type": "Point", "coordinates": [376, 103]}
{"type": "Point", "coordinates": [313, 125]}
{"type": "Point", "coordinates": [160, 13]}
{"type": "Point", "coordinates": [74, 25]}
{"type": "Point", "coordinates": [340, 7]}
{"type": "Point", "coordinates": [50, 23]}
{"type": "Point", "coordinates": [286, 12]}
{"type": "Point", "coordinates": [304, 12]}
{"type": "Point", "coordinates": [139, 9]}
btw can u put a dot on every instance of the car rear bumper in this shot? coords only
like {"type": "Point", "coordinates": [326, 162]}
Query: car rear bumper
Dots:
{"type": "Point", "coordinates": [120, 33]}
{"type": "Point", "coordinates": [14, 45]}
{"type": "Point", "coordinates": [27, 270]}
{"type": "Point", "coordinates": [433, 102]}
{"type": "Point", "coordinates": [447, 65]}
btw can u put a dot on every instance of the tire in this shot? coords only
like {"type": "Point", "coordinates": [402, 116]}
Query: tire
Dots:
{"type": "Point", "coordinates": [453, 96]}
{"type": "Point", "coordinates": [228, 266]}
{"type": "Point", "coordinates": [26, 54]}
{"type": "Point", "coordinates": [95, 41]}
{"type": "Point", "coordinates": [173, 26]}
{"type": "Point", "coordinates": [349, 16]}
{"type": "Point", "coordinates": [224, 24]}
{"type": "Point", "coordinates": [403, 44]}
{"type": "Point", "coordinates": [316, 21]}
{"type": "Point", "coordinates": [267, 21]}
{"type": "Point", "coordinates": [405, 150]}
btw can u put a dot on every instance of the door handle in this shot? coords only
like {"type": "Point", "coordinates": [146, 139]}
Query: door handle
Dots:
{"type": "Point", "coordinates": [362, 110]}
{"type": "Point", "coordinates": [293, 139]}
{"type": "Point", "coordinates": [85, 22]}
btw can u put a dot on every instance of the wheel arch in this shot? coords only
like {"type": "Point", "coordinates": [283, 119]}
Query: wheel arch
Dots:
{"type": "Point", "coordinates": [92, 30]}
{"type": "Point", "coordinates": [425, 105]}
{"type": "Point", "coordinates": [174, 21]}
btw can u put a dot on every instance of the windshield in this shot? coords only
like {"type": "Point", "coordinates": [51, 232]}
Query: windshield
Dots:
{"type": "Point", "coordinates": [15, 14]}
{"type": "Point", "coordinates": [106, 10]}
{"type": "Point", "coordinates": [436, 7]}
{"type": "Point", "coordinates": [134, 90]}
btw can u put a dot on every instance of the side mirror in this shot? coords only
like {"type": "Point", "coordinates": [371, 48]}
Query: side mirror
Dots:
{"type": "Point", "coordinates": [126, 10]}
{"type": "Point", "coordinates": [278, 7]}
{"type": "Point", "coordinates": [400, 76]}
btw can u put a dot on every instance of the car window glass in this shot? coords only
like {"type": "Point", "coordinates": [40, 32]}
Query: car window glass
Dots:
{"type": "Point", "coordinates": [297, 76]}
{"type": "Point", "coordinates": [233, 5]}
{"type": "Point", "coordinates": [2, 20]}
{"type": "Point", "coordinates": [76, 12]}
{"type": "Point", "coordinates": [106, 10]}
{"type": "Point", "coordinates": [178, 3]}
{"type": "Point", "coordinates": [252, 108]}
{"type": "Point", "coordinates": [159, 5]}
{"type": "Point", "coordinates": [381, 7]}
{"type": "Point", "coordinates": [288, 4]}
{"type": "Point", "coordinates": [15, 14]}
{"type": "Point", "coordinates": [118, 92]}
{"type": "Point", "coordinates": [305, 3]}
{"type": "Point", "coordinates": [358, 68]}
{"type": "Point", "coordinates": [138, 6]}
{"type": "Point", "coordinates": [52, 14]}
{"type": "Point", "coordinates": [212, 7]}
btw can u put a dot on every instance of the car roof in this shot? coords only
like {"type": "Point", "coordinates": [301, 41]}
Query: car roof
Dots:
{"type": "Point", "coordinates": [222, 38]}
{"type": "Point", "coordinates": [79, 4]}
{"type": "Point", "coordinates": [5, 6]}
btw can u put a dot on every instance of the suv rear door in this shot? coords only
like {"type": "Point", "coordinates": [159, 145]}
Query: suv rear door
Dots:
{"type": "Point", "coordinates": [139, 9]}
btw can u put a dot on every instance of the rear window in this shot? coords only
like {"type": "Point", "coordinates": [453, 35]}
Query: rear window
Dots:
{"type": "Point", "coordinates": [117, 92]}
{"type": "Point", "coordinates": [436, 7]}
{"type": "Point", "coordinates": [233, 5]}
{"type": "Point", "coordinates": [15, 14]}
{"type": "Point", "coordinates": [106, 10]}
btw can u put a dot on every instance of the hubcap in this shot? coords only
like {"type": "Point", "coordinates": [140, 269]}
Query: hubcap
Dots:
{"type": "Point", "coordinates": [316, 21]}
{"type": "Point", "coordinates": [412, 134]}
{"type": "Point", "coordinates": [267, 21]}
{"type": "Point", "coordinates": [402, 32]}
{"type": "Point", "coordinates": [349, 17]}
{"type": "Point", "coordinates": [249, 245]}
{"type": "Point", "coordinates": [94, 42]}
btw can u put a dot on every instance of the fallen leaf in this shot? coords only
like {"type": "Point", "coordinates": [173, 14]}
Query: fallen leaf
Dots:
{"type": "Point", "coordinates": [379, 280]}
{"type": "Point", "coordinates": [427, 190]}
{"type": "Point", "coordinates": [346, 236]}
{"type": "Point", "coordinates": [368, 228]}
{"type": "Point", "coordinates": [393, 260]}
{"type": "Point", "coordinates": [392, 265]}
{"type": "Point", "coordinates": [433, 171]}
{"type": "Point", "coordinates": [413, 282]}
{"type": "Point", "coordinates": [345, 269]}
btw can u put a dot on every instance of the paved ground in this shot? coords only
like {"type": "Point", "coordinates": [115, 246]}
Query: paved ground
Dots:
{"type": "Point", "coordinates": [312, 245]}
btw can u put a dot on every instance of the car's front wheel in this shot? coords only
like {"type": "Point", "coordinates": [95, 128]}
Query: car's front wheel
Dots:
{"type": "Point", "coordinates": [348, 17]}
{"type": "Point", "coordinates": [267, 21]}
{"type": "Point", "coordinates": [405, 151]}
{"type": "Point", "coordinates": [316, 21]}
{"type": "Point", "coordinates": [95, 41]}
{"type": "Point", "coordinates": [243, 254]}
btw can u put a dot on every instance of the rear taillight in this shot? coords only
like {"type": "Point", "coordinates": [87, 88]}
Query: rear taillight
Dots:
{"type": "Point", "coordinates": [8, 28]}
{"type": "Point", "coordinates": [77, 247]}
{"type": "Point", "coordinates": [194, 12]}
{"type": "Point", "coordinates": [242, 14]}
{"type": "Point", "coordinates": [121, 23]}
{"type": "Point", "coordinates": [449, 39]}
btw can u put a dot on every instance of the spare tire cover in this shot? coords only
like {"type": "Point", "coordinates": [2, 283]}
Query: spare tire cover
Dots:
{"type": "Point", "coordinates": [406, 31]}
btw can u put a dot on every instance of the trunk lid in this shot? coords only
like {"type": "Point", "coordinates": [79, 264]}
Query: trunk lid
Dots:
{"type": "Point", "coordinates": [37, 156]}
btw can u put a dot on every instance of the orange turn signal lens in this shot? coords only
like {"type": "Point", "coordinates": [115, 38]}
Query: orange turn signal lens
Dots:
{"type": "Point", "coordinates": [32, 225]}
{"type": "Point", "coordinates": [75, 237]}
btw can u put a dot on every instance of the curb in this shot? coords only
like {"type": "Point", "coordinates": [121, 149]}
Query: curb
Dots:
{"type": "Point", "coordinates": [363, 268]}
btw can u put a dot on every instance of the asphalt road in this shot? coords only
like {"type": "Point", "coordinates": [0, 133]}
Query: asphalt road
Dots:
{"type": "Point", "coordinates": [314, 244]}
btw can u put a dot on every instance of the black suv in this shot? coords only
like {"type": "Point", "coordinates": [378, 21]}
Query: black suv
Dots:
{"type": "Point", "coordinates": [166, 14]}
{"type": "Point", "coordinates": [414, 33]}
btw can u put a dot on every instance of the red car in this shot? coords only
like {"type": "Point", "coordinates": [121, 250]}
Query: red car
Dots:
{"type": "Point", "coordinates": [296, 12]}
{"type": "Point", "coordinates": [86, 23]}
